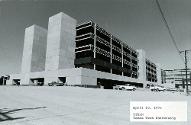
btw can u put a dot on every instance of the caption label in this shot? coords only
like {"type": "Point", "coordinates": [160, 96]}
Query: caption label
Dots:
{"type": "Point", "coordinates": [156, 111]}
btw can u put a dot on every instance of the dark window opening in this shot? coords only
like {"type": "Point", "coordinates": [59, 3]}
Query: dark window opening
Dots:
{"type": "Point", "coordinates": [100, 68]}
{"type": "Point", "coordinates": [83, 48]}
{"type": "Point", "coordinates": [84, 25]}
{"type": "Point", "coordinates": [134, 62]}
{"type": "Point", "coordinates": [103, 46]}
{"type": "Point", "coordinates": [127, 74]}
{"type": "Point", "coordinates": [127, 58]}
{"type": "Point", "coordinates": [85, 42]}
{"type": "Point", "coordinates": [126, 50]}
{"type": "Point", "coordinates": [88, 53]}
{"type": "Point", "coordinates": [127, 66]}
{"type": "Point", "coordinates": [3, 80]}
{"type": "Point", "coordinates": [134, 69]}
{"type": "Point", "coordinates": [116, 72]}
{"type": "Point", "coordinates": [88, 66]}
{"type": "Point", "coordinates": [116, 53]}
{"type": "Point", "coordinates": [102, 35]}
{"type": "Point", "coordinates": [134, 55]}
{"type": "Point", "coordinates": [102, 57]}
{"type": "Point", "coordinates": [134, 75]}
{"type": "Point", "coordinates": [85, 36]}
{"type": "Point", "coordinates": [116, 63]}
{"type": "Point", "coordinates": [62, 79]}
{"type": "Point", "coordinates": [16, 81]}
{"type": "Point", "coordinates": [116, 44]}
{"type": "Point", "coordinates": [37, 81]}
{"type": "Point", "coordinates": [86, 30]}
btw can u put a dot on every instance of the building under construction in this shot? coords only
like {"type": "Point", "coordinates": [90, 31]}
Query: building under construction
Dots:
{"type": "Point", "coordinates": [83, 54]}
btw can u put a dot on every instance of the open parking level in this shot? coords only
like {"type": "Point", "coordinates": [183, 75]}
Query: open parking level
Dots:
{"type": "Point", "coordinates": [65, 105]}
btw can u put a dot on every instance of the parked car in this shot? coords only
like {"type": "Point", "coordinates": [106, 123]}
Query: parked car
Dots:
{"type": "Point", "coordinates": [126, 87]}
{"type": "Point", "coordinates": [56, 84]}
{"type": "Point", "coordinates": [172, 89]}
{"type": "Point", "coordinates": [157, 88]}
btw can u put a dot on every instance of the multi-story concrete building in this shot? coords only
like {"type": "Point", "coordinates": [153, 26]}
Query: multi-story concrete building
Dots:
{"type": "Point", "coordinates": [99, 50]}
{"type": "Point", "coordinates": [151, 71]}
{"type": "Point", "coordinates": [84, 54]}
{"type": "Point", "coordinates": [176, 77]}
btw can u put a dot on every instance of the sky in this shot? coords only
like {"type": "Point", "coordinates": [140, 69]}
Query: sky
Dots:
{"type": "Point", "coordinates": [136, 22]}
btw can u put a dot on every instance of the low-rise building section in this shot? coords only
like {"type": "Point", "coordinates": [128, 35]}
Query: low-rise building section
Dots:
{"type": "Point", "coordinates": [176, 78]}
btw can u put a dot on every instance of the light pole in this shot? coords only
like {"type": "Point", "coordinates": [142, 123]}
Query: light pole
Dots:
{"type": "Point", "coordinates": [186, 68]}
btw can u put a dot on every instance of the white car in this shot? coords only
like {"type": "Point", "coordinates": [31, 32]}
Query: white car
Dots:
{"type": "Point", "coordinates": [126, 87]}
{"type": "Point", "coordinates": [157, 88]}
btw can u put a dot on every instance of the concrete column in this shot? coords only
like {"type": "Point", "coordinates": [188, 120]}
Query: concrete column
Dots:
{"type": "Point", "coordinates": [142, 67]}
{"type": "Point", "coordinates": [122, 57]}
{"type": "Point", "coordinates": [25, 79]}
{"type": "Point", "coordinates": [50, 77]}
{"type": "Point", "coordinates": [111, 51]}
{"type": "Point", "coordinates": [34, 52]}
{"type": "Point", "coordinates": [158, 70]}
{"type": "Point", "coordinates": [95, 39]}
{"type": "Point", "coordinates": [10, 81]}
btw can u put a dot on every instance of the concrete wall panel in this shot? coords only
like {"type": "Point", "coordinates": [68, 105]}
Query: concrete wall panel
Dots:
{"type": "Point", "coordinates": [60, 42]}
{"type": "Point", "coordinates": [34, 52]}
{"type": "Point", "coordinates": [39, 49]}
{"type": "Point", "coordinates": [142, 67]}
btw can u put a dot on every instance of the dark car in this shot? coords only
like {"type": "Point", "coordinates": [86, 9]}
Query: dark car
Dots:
{"type": "Point", "coordinates": [56, 84]}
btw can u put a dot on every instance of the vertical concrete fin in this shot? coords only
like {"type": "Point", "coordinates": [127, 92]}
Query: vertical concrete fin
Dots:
{"type": "Point", "coordinates": [60, 42]}
{"type": "Point", "coordinates": [34, 52]}
{"type": "Point", "coordinates": [142, 67]}
{"type": "Point", "coordinates": [158, 68]}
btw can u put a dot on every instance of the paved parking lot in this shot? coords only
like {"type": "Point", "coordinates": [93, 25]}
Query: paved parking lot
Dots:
{"type": "Point", "coordinates": [64, 105]}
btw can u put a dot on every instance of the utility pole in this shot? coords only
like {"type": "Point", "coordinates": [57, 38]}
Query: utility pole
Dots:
{"type": "Point", "coordinates": [186, 68]}
{"type": "Point", "coordinates": [190, 78]}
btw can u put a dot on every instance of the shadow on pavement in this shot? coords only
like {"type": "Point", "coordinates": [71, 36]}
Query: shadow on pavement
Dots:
{"type": "Point", "coordinates": [5, 113]}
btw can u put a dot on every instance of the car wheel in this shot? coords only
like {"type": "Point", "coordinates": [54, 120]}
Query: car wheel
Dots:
{"type": "Point", "coordinates": [134, 89]}
{"type": "Point", "coordinates": [157, 90]}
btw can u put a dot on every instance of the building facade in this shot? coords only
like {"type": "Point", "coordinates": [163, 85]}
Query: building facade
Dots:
{"type": "Point", "coordinates": [83, 54]}
{"type": "Point", "coordinates": [176, 78]}
{"type": "Point", "coordinates": [99, 50]}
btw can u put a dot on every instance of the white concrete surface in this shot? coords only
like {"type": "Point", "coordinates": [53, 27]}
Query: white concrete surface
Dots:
{"type": "Point", "coordinates": [142, 67]}
{"type": "Point", "coordinates": [34, 52]}
{"type": "Point", "coordinates": [60, 42]}
{"type": "Point", "coordinates": [158, 70]}
{"type": "Point", "coordinates": [78, 106]}
{"type": "Point", "coordinates": [78, 76]}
